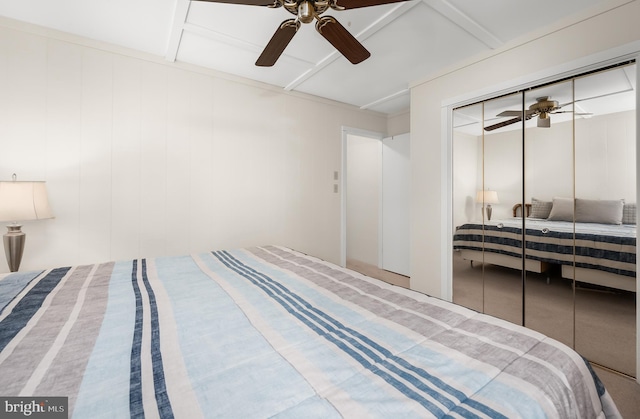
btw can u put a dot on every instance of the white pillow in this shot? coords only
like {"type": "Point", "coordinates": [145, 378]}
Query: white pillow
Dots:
{"type": "Point", "coordinates": [599, 211]}
{"type": "Point", "coordinates": [562, 210]}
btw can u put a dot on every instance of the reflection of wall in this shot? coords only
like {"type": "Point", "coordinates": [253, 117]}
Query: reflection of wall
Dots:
{"type": "Point", "coordinates": [604, 168]}
{"type": "Point", "coordinates": [611, 136]}
{"type": "Point", "coordinates": [467, 163]}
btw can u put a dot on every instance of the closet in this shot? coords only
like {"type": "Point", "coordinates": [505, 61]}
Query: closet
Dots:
{"type": "Point", "coordinates": [544, 194]}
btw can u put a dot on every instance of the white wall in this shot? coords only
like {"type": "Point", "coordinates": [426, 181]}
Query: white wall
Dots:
{"type": "Point", "coordinates": [398, 124]}
{"type": "Point", "coordinates": [144, 157]}
{"type": "Point", "coordinates": [364, 166]}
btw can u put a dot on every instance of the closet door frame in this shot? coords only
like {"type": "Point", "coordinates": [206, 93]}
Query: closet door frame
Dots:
{"type": "Point", "coordinates": [586, 64]}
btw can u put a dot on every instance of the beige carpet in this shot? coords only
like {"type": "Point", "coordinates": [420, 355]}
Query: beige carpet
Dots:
{"type": "Point", "coordinates": [375, 272]}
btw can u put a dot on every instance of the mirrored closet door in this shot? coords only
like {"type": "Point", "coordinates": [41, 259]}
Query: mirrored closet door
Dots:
{"type": "Point", "coordinates": [549, 186]}
{"type": "Point", "coordinates": [605, 192]}
{"type": "Point", "coordinates": [468, 258]}
{"type": "Point", "coordinates": [555, 166]}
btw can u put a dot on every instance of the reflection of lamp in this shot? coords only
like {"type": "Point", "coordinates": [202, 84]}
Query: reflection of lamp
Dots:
{"type": "Point", "coordinates": [487, 198]}
{"type": "Point", "coordinates": [21, 201]}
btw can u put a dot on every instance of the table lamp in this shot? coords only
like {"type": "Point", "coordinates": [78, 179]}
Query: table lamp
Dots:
{"type": "Point", "coordinates": [21, 201]}
{"type": "Point", "coordinates": [487, 198]}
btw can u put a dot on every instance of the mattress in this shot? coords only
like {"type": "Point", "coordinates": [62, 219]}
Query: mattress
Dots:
{"type": "Point", "coordinates": [271, 332]}
{"type": "Point", "coordinates": [603, 247]}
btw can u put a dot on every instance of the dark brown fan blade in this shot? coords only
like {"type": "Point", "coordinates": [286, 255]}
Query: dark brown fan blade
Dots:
{"type": "Point", "coordinates": [279, 41]}
{"type": "Point", "coordinates": [268, 3]}
{"type": "Point", "coordinates": [502, 124]}
{"type": "Point", "coordinates": [516, 113]}
{"type": "Point", "coordinates": [354, 4]}
{"type": "Point", "coordinates": [510, 113]}
{"type": "Point", "coordinates": [342, 40]}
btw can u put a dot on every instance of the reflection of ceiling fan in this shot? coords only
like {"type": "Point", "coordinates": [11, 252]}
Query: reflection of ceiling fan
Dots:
{"type": "Point", "coordinates": [543, 108]}
{"type": "Point", "coordinates": [306, 11]}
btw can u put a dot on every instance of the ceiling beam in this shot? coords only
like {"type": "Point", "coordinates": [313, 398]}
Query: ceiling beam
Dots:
{"type": "Point", "coordinates": [452, 13]}
{"type": "Point", "coordinates": [392, 96]}
{"type": "Point", "coordinates": [175, 35]}
{"type": "Point", "coordinates": [235, 42]}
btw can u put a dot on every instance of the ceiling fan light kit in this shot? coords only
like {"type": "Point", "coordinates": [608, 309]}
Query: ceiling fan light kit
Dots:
{"type": "Point", "coordinates": [306, 11]}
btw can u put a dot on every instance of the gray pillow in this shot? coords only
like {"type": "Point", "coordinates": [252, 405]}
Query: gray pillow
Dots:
{"type": "Point", "coordinates": [629, 214]}
{"type": "Point", "coordinates": [599, 211]}
{"type": "Point", "coordinates": [562, 210]}
{"type": "Point", "coordinates": [540, 209]}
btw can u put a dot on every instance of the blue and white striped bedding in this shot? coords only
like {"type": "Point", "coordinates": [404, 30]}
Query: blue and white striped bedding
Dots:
{"type": "Point", "coordinates": [603, 247]}
{"type": "Point", "coordinates": [270, 332]}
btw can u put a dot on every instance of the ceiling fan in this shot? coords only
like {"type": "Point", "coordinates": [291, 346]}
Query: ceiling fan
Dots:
{"type": "Point", "coordinates": [543, 108]}
{"type": "Point", "coordinates": [306, 11]}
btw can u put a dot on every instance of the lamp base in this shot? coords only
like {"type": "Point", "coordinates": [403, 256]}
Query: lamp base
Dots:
{"type": "Point", "coordinates": [14, 246]}
{"type": "Point", "coordinates": [489, 210]}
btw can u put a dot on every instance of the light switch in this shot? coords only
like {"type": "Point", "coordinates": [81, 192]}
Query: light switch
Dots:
{"type": "Point", "coordinates": [335, 175]}
{"type": "Point", "coordinates": [335, 188]}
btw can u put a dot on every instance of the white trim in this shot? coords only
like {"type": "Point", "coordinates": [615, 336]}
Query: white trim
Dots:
{"type": "Point", "coordinates": [572, 68]}
{"type": "Point", "coordinates": [637, 57]}
{"type": "Point", "coordinates": [180, 14]}
{"type": "Point", "coordinates": [403, 92]}
{"type": "Point", "coordinates": [454, 14]}
{"type": "Point", "coordinates": [381, 203]}
{"type": "Point", "coordinates": [446, 204]}
{"type": "Point", "coordinates": [598, 9]}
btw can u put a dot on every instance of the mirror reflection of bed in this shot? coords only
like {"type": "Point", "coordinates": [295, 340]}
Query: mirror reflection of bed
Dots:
{"type": "Point", "coordinates": [573, 175]}
{"type": "Point", "coordinates": [604, 272]}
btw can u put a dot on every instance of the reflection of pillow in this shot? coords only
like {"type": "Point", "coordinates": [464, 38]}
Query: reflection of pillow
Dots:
{"type": "Point", "coordinates": [562, 210]}
{"type": "Point", "coordinates": [599, 211]}
{"type": "Point", "coordinates": [629, 214]}
{"type": "Point", "coordinates": [540, 209]}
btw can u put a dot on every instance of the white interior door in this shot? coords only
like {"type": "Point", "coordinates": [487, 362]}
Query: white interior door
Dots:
{"type": "Point", "coordinates": [396, 178]}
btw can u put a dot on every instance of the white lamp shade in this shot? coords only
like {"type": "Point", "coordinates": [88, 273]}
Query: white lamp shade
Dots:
{"type": "Point", "coordinates": [24, 201]}
{"type": "Point", "coordinates": [487, 197]}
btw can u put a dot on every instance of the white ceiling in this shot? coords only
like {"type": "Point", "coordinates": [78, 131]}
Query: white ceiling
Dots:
{"type": "Point", "coordinates": [407, 40]}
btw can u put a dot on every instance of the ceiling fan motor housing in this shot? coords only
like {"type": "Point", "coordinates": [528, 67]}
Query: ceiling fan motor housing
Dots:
{"type": "Point", "coordinates": [544, 105]}
{"type": "Point", "coordinates": [306, 11]}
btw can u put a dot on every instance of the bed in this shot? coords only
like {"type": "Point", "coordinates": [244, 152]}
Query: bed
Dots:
{"type": "Point", "coordinates": [601, 251]}
{"type": "Point", "coordinates": [271, 332]}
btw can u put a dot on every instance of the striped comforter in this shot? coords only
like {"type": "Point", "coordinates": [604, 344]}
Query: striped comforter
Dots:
{"type": "Point", "coordinates": [270, 332]}
{"type": "Point", "coordinates": [609, 248]}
